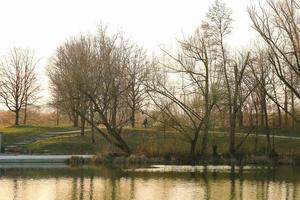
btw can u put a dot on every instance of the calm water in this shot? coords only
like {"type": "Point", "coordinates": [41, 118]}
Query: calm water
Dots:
{"type": "Point", "coordinates": [161, 182]}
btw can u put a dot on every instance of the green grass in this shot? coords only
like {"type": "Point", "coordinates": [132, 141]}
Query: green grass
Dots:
{"type": "Point", "coordinates": [25, 133]}
{"type": "Point", "coordinates": [66, 144]}
{"type": "Point", "coordinates": [152, 143]}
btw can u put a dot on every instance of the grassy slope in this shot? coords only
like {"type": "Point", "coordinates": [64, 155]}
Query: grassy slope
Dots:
{"type": "Point", "coordinates": [25, 133]}
{"type": "Point", "coordinates": [154, 143]}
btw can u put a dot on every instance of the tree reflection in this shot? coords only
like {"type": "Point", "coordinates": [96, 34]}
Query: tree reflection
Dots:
{"type": "Point", "coordinates": [206, 183]}
{"type": "Point", "coordinates": [132, 187]}
{"type": "Point", "coordinates": [232, 183]}
{"type": "Point", "coordinates": [15, 189]}
{"type": "Point", "coordinates": [91, 192]}
{"type": "Point", "coordinates": [74, 188]}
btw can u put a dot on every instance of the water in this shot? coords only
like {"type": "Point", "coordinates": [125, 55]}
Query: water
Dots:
{"type": "Point", "coordinates": [160, 182]}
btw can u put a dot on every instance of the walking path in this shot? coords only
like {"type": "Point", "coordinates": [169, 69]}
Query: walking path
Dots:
{"type": "Point", "coordinates": [262, 135]}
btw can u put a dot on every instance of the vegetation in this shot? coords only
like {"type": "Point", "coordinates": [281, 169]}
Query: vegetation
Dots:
{"type": "Point", "coordinates": [154, 143]}
{"type": "Point", "coordinates": [149, 145]}
{"type": "Point", "coordinates": [18, 85]}
{"type": "Point", "coordinates": [107, 83]}
{"type": "Point", "coordinates": [102, 79]}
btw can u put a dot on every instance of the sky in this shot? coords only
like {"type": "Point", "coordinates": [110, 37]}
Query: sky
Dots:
{"type": "Point", "coordinates": [43, 25]}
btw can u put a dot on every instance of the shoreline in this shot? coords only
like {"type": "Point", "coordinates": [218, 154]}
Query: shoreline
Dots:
{"type": "Point", "coordinates": [143, 160]}
{"type": "Point", "coordinates": [209, 160]}
{"type": "Point", "coordinates": [39, 158]}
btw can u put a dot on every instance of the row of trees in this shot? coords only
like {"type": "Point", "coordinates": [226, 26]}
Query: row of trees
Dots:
{"type": "Point", "coordinates": [105, 80]}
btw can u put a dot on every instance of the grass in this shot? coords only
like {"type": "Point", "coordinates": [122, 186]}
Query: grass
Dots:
{"type": "Point", "coordinates": [26, 133]}
{"type": "Point", "coordinates": [66, 144]}
{"type": "Point", "coordinates": [153, 143]}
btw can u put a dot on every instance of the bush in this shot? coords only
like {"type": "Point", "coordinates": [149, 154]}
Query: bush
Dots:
{"type": "Point", "coordinates": [75, 160]}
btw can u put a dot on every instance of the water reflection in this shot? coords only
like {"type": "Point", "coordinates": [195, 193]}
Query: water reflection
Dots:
{"type": "Point", "coordinates": [112, 184]}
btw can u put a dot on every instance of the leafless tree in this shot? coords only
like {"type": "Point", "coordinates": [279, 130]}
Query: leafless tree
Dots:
{"type": "Point", "coordinates": [138, 72]}
{"type": "Point", "coordinates": [93, 70]}
{"type": "Point", "coordinates": [232, 70]}
{"type": "Point", "coordinates": [70, 58]}
{"type": "Point", "coordinates": [278, 25]}
{"type": "Point", "coordinates": [19, 87]}
{"type": "Point", "coordinates": [188, 105]}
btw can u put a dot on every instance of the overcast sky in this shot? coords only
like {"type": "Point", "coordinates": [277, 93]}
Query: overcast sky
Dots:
{"type": "Point", "coordinates": [42, 25]}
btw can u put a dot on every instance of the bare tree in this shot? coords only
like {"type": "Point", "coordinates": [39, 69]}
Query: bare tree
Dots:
{"type": "Point", "coordinates": [278, 26]}
{"type": "Point", "coordinates": [237, 100]}
{"type": "Point", "coordinates": [19, 87]}
{"type": "Point", "coordinates": [138, 72]}
{"type": "Point", "coordinates": [93, 71]}
{"type": "Point", "coordinates": [188, 106]}
{"type": "Point", "coordinates": [70, 58]}
{"type": "Point", "coordinates": [219, 22]}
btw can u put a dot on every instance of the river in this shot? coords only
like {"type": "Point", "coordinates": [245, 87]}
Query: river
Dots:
{"type": "Point", "coordinates": [61, 182]}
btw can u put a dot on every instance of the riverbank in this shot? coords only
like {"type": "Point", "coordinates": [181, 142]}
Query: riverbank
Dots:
{"type": "Point", "coordinates": [148, 145]}
{"type": "Point", "coordinates": [9, 158]}
{"type": "Point", "coordinates": [117, 160]}
{"type": "Point", "coordinates": [156, 143]}
{"type": "Point", "coordinates": [208, 160]}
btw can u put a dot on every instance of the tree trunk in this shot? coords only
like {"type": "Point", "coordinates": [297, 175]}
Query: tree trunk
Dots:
{"type": "Point", "coordinates": [286, 108]}
{"type": "Point", "coordinates": [17, 118]}
{"type": "Point", "coordinates": [82, 126]}
{"type": "Point", "coordinates": [256, 131]}
{"type": "Point", "coordinates": [232, 133]}
{"type": "Point", "coordinates": [207, 113]}
{"type": "Point", "coordinates": [205, 136]}
{"type": "Point", "coordinates": [240, 111]}
{"type": "Point", "coordinates": [241, 117]}
{"type": "Point", "coordinates": [267, 130]}
{"type": "Point", "coordinates": [132, 118]}
{"type": "Point", "coordinates": [262, 101]}
{"type": "Point", "coordinates": [75, 119]}
{"type": "Point", "coordinates": [25, 113]}
{"type": "Point", "coordinates": [92, 121]}
{"type": "Point", "coordinates": [57, 116]}
{"type": "Point", "coordinates": [262, 118]}
{"type": "Point", "coordinates": [279, 117]}
{"type": "Point", "coordinates": [121, 144]}
{"type": "Point", "coordinates": [251, 124]}
{"type": "Point", "coordinates": [193, 149]}
{"type": "Point", "coordinates": [293, 109]}
{"type": "Point", "coordinates": [292, 100]}
{"type": "Point", "coordinates": [233, 112]}
{"type": "Point", "coordinates": [194, 144]}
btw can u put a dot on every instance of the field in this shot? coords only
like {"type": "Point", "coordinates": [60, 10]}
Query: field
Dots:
{"type": "Point", "coordinates": [149, 142]}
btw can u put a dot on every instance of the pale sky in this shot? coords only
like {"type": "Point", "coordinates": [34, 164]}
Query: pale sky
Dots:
{"type": "Point", "coordinates": [42, 25]}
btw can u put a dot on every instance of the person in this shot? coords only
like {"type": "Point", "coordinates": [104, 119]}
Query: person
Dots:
{"type": "Point", "coordinates": [145, 122]}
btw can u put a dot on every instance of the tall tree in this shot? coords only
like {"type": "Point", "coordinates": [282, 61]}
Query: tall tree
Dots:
{"type": "Point", "coordinates": [93, 71]}
{"type": "Point", "coordinates": [71, 58]}
{"type": "Point", "coordinates": [18, 87]}
{"type": "Point", "coordinates": [188, 106]}
{"type": "Point", "coordinates": [138, 72]}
